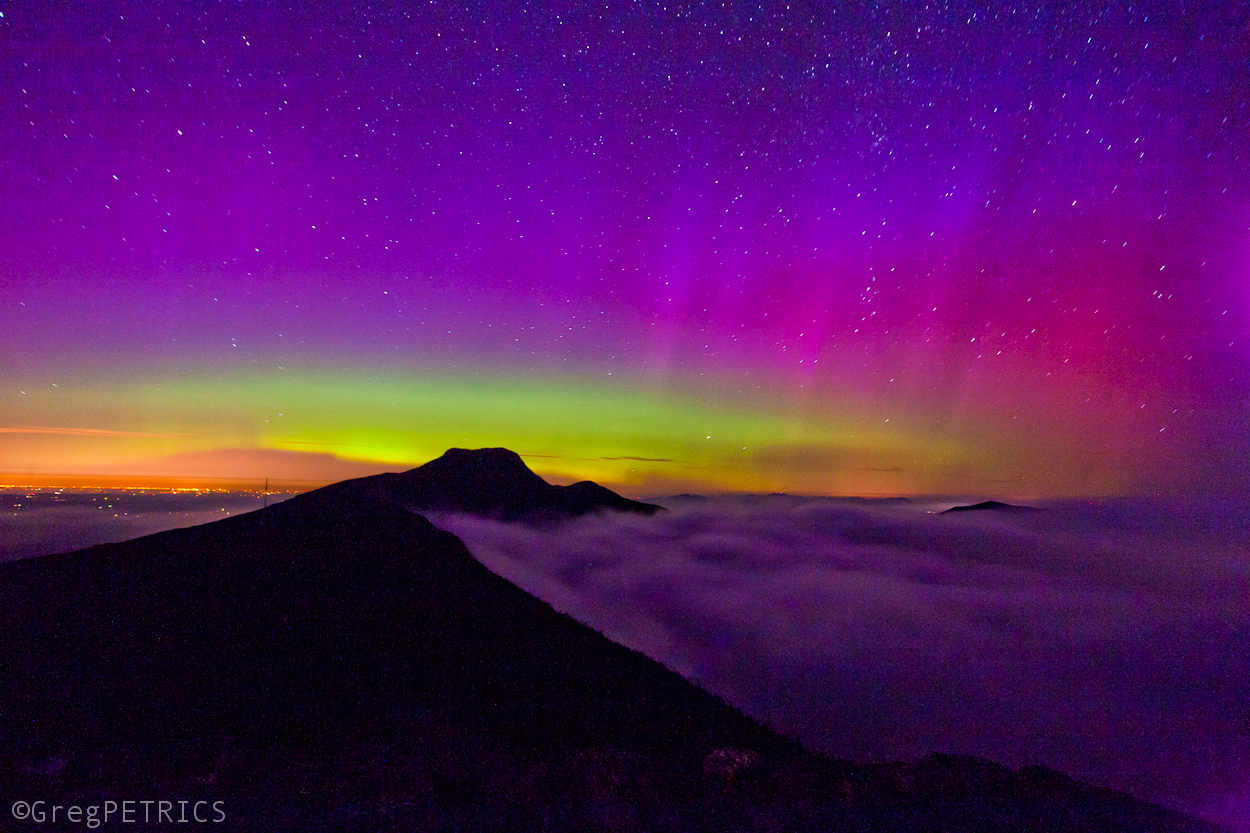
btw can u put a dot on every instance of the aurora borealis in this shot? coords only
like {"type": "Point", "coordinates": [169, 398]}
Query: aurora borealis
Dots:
{"type": "Point", "coordinates": [858, 248]}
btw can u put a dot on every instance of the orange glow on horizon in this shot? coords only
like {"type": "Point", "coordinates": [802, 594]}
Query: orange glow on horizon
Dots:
{"type": "Point", "coordinates": [10, 480]}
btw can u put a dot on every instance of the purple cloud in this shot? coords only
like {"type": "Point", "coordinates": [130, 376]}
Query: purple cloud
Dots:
{"type": "Point", "coordinates": [1111, 641]}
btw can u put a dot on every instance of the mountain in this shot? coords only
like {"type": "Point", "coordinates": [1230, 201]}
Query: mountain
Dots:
{"type": "Point", "coordinates": [336, 662]}
{"type": "Point", "coordinates": [494, 482]}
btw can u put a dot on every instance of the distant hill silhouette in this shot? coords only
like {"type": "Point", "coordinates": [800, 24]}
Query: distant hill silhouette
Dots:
{"type": "Point", "coordinates": [335, 662]}
{"type": "Point", "coordinates": [993, 506]}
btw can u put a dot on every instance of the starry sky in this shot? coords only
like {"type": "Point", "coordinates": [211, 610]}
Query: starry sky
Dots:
{"type": "Point", "coordinates": [834, 248]}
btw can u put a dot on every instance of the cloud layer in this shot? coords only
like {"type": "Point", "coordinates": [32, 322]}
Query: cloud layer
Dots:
{"type": "Point", "coordinates": [1111, 641]}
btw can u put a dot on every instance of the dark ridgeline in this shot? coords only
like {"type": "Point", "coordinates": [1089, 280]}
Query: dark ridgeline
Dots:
{"type": "Point", "coordinates": [335, 662]}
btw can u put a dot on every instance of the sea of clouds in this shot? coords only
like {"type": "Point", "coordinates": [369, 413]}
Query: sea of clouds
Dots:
{"type": "Point", "coordinates": [1109, 640]}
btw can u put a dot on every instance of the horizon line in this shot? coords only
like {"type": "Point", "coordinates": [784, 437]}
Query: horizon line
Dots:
{"type": "Point", "coordinates": [26, 480]}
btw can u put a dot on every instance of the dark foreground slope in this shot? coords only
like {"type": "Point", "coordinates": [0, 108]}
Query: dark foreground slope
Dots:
{"type": "Point", "coordinates": [337, 663]}
{"type": "Point", "coordinates": [296, 624]}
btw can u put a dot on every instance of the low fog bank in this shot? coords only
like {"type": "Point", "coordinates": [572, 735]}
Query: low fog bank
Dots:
{"type": "Point", "coordinates": [1108, 640]}
{"type": "Point", "coordinates": [44, 522]}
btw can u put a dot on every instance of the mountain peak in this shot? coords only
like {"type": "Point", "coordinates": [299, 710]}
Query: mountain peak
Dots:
{"type": "Point", "coordinates": [494, 457]}
{"type": "Point", "coordinates": [494, 482]}
{"type": "Point", "coordinates": [480, 465]}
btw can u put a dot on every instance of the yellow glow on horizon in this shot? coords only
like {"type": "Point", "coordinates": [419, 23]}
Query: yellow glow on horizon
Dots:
{"type": "Point", "coordinates": [320, 426]}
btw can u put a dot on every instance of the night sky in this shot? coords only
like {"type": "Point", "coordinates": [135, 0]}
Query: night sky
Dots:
{"type": "Point", "coordinates": [846, 248]}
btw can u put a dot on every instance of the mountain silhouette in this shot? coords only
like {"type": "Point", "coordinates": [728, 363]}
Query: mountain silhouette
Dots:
{"type": "Point", "coordinates": [494, 482]}
{"type": "Point", "coordinates": [336, 662]}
